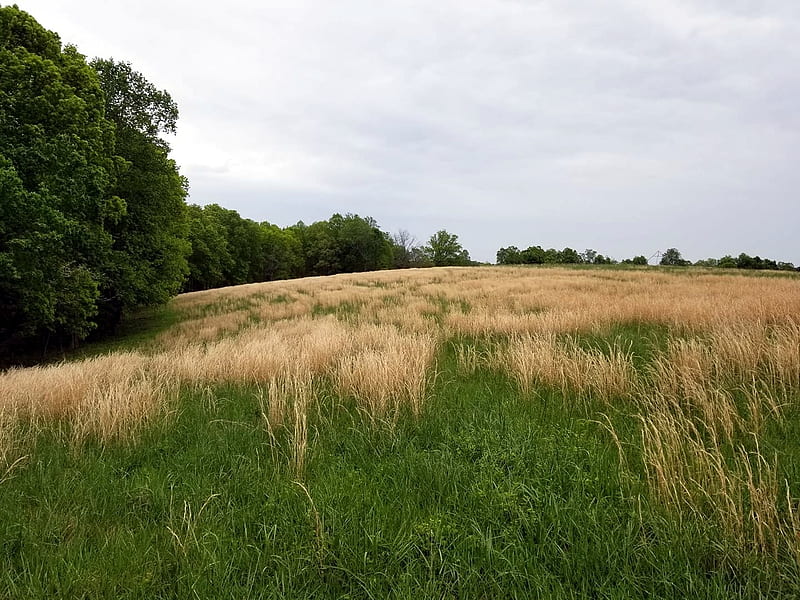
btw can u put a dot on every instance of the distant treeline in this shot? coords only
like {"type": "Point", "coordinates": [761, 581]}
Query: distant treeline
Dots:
{"type": "Point", "coordinates": [93, 214]}
{"type": "Point", "coordinates": [227, 249]}
{"type": "Point", "coordinates": [536, 255]}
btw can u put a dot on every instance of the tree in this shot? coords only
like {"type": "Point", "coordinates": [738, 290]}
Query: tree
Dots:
{"type": "Point", "coordinates": [134, 103]}
{"type": "Point", "coordinates": [672, 257]}
{"type": "Point", "coordinates": [569, 256]}
{"type": "Point", "coordinates": [209, 256]}
{"type": "Point", "coordinates": [93, 219]}
{"type": "Point", "coordinates": [706, 262]}
{"type": "Point", "coordinates": [604, 260]}
{"type": "Point", "coordinates": [639, 260]}
{"type": "Point", "coordinates": [319, 248]}
{"type": "Point", "coordinates": [283, 253]}
{"type": "Point", "coordinates": [552, 256]}
{"type": "Point", "coordinates": [57, 168]}
{"type": "Point", "coordinates": [534, 255]}
{"type": "Point", "coordinates": [360, 244]}
{"type": "Point", "coordinates": [443, 249]}
{"type": "Point", "coordinates": [244, 241]}
{"type": "Point", "coordinates": [403, 245]}
{"type": "Point", "coordinates": [150, 239]}
{"type": "Point", "coordinates": [509, 256]}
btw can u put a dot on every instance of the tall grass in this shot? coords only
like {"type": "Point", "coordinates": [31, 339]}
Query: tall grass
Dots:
{"type": "Point", "coordinates": [691, 472]}
{"type": "Point", "coordinates": [691, 417]}
{"type": "Point", "coordinates": [536, 361]}
{"type": "Point", "coordinates": [108, 397]}
{"type": "Point", "coordinates": [389, 375]}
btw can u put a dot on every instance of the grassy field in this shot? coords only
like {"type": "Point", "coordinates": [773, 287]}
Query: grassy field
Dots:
{"type": "Point", "coordinates": [437, 433]}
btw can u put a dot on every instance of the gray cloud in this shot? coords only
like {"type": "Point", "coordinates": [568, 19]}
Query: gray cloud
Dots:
{"type": "Point", "coordinates": [628, 126]}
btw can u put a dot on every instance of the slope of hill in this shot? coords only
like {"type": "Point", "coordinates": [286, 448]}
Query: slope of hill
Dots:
{"type": "Point", "coordinates": [453, 432]}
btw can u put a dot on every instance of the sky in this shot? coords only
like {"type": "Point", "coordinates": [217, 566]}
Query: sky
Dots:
{"type": "Point", "coordinates": [626, 126]}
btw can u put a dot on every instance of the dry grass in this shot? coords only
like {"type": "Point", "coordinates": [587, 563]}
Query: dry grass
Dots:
{"type": "Point", "coordinates": [738, 489]}
{"type": "Point", "coordinates": [731, 364]}
{"type": "Point", "coordinates": [375, 336]}
{"type": "Point", "coordinates": [109, 396]}
{"type": "Point", "coordinates": [543, 360]}
{"type": "Point", "coordinates": [701, 396]}
{"type": "Point", "coordinates": [286, 404]}
{"type": "Point", "coordinates": [389, 374]}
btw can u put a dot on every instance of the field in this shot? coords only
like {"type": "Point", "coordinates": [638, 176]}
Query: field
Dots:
{"type": "Point", "coordinates": [435, 433]}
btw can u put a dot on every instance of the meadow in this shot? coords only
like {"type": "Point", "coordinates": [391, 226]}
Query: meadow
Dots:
{"type": "Point", "coordinates": [492, 432]}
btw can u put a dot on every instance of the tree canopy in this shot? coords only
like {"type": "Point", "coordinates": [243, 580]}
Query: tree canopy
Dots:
{"type": "Point", "coordinates": [57, 169]}
{"type": "Point", "coordinates": [672, 258]}
{"type": "Point", "coordinates": [91, 211]}
{"type": "Point", "coordinates": [444, 249]}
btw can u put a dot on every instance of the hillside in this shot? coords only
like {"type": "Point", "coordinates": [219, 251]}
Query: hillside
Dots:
{"type": "Point", "coordinates": [448, 432]}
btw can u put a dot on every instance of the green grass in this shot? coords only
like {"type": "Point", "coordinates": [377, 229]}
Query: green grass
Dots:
{"type": "Point", "coordinates": [136, 331]}
{"type": "Point", "coordinates": [486, 495]}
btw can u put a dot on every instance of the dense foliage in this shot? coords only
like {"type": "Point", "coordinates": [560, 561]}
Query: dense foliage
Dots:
{"type": "Point", "coordinates": [227, 249]}
{"type": "Point", "coordinates": [536, 255]}
{"type": "Point", "coordinates": [92, 213]}
{"type": "Point", "coordinates": [149, 241]}
{"type": "Point", "coordinates": [57, 168]}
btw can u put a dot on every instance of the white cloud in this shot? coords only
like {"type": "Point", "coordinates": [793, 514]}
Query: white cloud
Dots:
{"type": "Point", "coordinates": [626, 126]}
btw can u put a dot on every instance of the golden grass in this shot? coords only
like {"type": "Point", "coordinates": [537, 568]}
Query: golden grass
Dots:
{"type": "Point", "coordinates": [542, 360]}
{"type": "Point", "coordinates": [286, 404]}
{"type": "Point", "coordinates": [388, 375]}
{"type": "Point", "coordinates": [703, 394]}
{"type": "Point", "coordinates": [731, 364]}
{"type": "Point", "coordinates": [109, 396]}
{"type": "Point", "coordinates": [374, 335]}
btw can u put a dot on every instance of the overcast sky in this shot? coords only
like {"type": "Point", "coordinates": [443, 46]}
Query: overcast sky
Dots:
{"type": "Point", "coordinates": [627, 126]}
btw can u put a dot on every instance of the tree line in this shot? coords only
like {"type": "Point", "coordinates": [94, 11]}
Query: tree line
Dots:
{"type": "Point", "coordinates": [93, 213]}
{"type": "Point", "coordinates": [91, 210]}
{"type": "Point", "coordinates": [536, 255]}
{"type": "Point", "coordinates": [227, 249]}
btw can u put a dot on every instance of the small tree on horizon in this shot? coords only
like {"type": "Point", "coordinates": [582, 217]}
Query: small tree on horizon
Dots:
{"type": "Point", "coordinates": [444, 249]}
{"type": "Point", "coordinates": [672, 258]}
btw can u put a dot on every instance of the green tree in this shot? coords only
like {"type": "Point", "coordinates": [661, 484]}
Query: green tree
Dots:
{"type": "Point", "coordinates": [706, 262]}
{"type": "Point", "coordinates": [509, 256]}
{"type": "Point", "coordinates": [604, 260]}
{"type": "Point", "coordinates": [319, 248]}
{"type": "Point", "coordinates": [569, 256]}
{"type": "Point", "coordinates": [534, 255]}
{"type": "Point", "coordinates": [209, 258]}
{"type": "Point", "coordinates": [57, 169]}
{"type": "Point", "coordinates": [552, 256]}
{"type": "Point", "coordinates": [444, 249]}
{"type": "Point", "coordinates": [150, 239]}
{"type": "Point", "coordinates": [672, 257]}
{"type": "Point", "coordinates": [282, 253]}
{"type": "Point", "coordinates": [360, 244]}
{"type": "Point", "coordinates": [244, 242]}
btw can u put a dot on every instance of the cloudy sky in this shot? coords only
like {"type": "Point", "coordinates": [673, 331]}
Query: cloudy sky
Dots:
{"type": "Point", "coordinates": [627, 126]}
